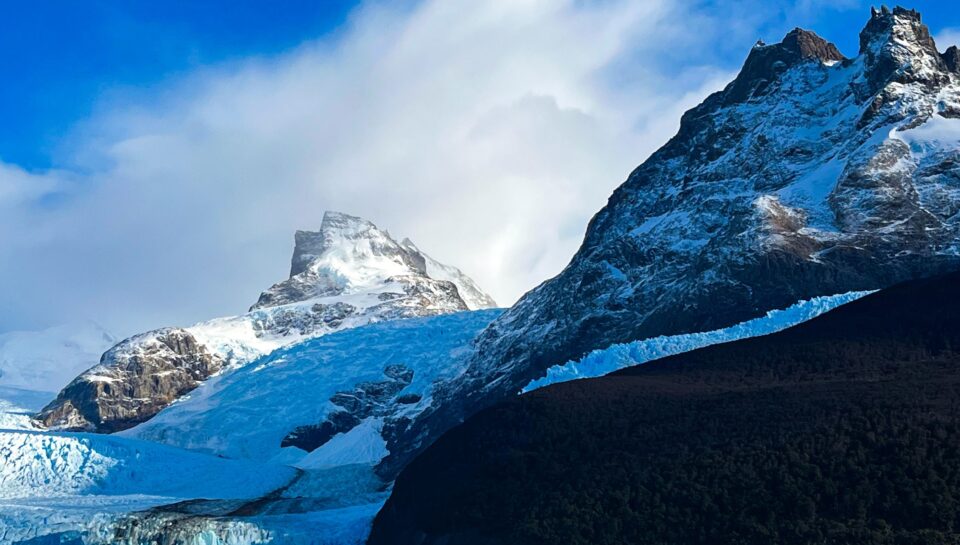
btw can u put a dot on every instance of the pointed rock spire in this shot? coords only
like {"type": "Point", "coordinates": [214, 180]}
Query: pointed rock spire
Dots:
{"type": "Point", "coordinates": [897, 46]}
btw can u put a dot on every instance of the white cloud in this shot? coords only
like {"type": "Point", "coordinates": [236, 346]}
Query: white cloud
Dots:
{"type": "Point", "coordinates": [487, 132]}
{"type": "Point", "coordinates": [947, 37]}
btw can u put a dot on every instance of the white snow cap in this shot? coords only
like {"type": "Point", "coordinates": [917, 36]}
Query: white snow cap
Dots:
{"type": "Point", "coordinates": [352, 254]}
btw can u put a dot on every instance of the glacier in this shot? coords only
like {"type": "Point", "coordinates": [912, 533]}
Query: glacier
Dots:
{"type": "Point", "coordinates": [56, 483]}
{"type": "Point", "coordinates": [618, 356]}
{"type": "Point", "coordinates": [247, 413]}
{"type": "Point", "coordinates": [223, 475]}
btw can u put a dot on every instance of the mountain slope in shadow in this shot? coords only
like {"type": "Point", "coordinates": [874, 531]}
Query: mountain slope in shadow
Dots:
{"type": "Point", "coordinates": [845, 429]}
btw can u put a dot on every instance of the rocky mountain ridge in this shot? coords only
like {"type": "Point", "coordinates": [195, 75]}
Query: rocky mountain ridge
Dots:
{"type": "Point", "coordinates": [810, 174]}
{"type": "Point", "coordinates": [347, 274]}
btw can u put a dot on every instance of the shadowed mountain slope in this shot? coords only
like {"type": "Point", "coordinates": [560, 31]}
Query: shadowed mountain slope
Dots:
{"type": "Point", "coordinates": [844, 429]}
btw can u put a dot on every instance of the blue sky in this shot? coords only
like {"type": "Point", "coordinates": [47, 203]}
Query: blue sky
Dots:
{"type": "Point", "coordinates": [62, 57]}
{"type": "Point", "coordinates": [156, 157]}
{"type": "Point", "coordinates": [69, 57]}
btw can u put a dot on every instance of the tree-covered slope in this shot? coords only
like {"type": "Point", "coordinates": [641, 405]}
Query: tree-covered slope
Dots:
{"type": "Point", "coordinates": [844, 429]}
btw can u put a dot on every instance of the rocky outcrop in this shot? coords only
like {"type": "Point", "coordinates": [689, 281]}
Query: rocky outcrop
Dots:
{"type": "Point", "coordinates": [896, 47]}
{"type": "Point", "coordinates": [951, 57]}
{"type": "Point", "coordinates": [134, 380]}
{"type": "Point", "coordinates": [808, 175]}
{"type": "Point", "coordinates": [766, 63]}
{"type": "Point", "coordinates": [347, 274]}
{"type": "Point", "coordinates": [365, 400]}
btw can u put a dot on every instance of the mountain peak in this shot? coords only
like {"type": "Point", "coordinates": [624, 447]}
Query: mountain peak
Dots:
{"type": "Point", "coordinates": [804, 44]}
{"type": "Point", "coordinates": [901, 24]}
{"type": "Point", "coordinates": [897, 46]}
{"type": "Point", "coordinates": [766, 62]}
{"type": "Point", "coordinates": [351, 255]}
{"type": "Point", "coordinates": [339, 222]}
{"type": "Point", "coordinates": [336, 229]}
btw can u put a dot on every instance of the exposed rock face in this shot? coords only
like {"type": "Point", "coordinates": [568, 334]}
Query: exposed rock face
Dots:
{"type": "Point", "coordinates": [365, 400]}
{"type": "Point", "coordinates": [766, 62]}
{"type": "Point", "coordinates": [951, 57]}
{"type": "Point", "coordinates": [349, 273]}
{"type": "Point", "coordinates": [808, 175]}
{"type": "Point", "coordinates": [134, 380]}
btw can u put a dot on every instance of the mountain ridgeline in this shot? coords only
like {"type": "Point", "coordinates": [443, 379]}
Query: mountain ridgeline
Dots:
{"type": "Point", "coordinates": [810, 174]}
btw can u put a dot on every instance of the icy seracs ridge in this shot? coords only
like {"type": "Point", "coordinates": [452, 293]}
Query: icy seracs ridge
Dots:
{"type": "Point", "coordinates": [619, 356]}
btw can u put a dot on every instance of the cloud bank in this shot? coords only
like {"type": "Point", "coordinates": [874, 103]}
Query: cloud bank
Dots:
{"type": "Point", "coordinates": [487, 132]}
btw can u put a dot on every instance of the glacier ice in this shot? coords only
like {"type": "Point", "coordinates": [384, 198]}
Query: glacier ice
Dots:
{"type": "Point", "coordinates": [618, 356]}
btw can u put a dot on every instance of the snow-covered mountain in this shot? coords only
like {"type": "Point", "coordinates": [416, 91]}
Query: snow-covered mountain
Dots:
{"type": "Point", "coordinates": [347, 274]}
{"type": "Point", "coordinates": [810, 174]}
{"type": "Point", "coordinates": [350, 256]}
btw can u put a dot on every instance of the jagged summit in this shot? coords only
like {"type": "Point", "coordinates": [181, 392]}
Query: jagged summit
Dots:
{"type": "Point", "coordinates": [806, 44]}
{"type": "Point", "coordinates": [336, 231]}
{"type": "Point", "coordinates": [897, 47]}
{"type": "Point", "coordinates": [766, 62]}
{"type": "Point", "coordinates": [350, 255]}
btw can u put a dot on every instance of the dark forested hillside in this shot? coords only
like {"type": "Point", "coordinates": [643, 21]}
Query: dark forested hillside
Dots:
{"type": "Point", "coordinates": [845, 429]}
